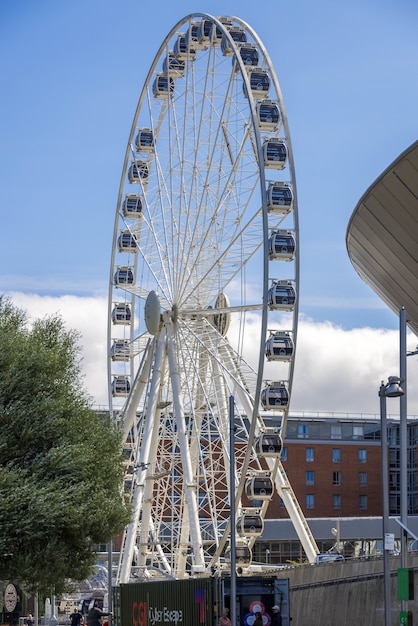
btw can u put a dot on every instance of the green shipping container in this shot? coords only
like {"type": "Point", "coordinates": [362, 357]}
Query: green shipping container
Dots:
{"type": "Point", "coordinates": [191, 602]}
{"type": "Point", "coordinates": [199, 602]}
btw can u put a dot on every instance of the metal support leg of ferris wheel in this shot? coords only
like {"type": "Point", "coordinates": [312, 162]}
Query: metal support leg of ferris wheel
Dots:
{"type": "Point", "coordinates": [295, 513]}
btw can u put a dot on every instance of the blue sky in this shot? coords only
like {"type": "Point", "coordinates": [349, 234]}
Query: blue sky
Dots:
{"type": "Point", "coordinates": [71, 75]}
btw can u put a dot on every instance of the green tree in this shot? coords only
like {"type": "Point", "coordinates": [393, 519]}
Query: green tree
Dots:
{"type": "Point", "coordinates": [61, 471]}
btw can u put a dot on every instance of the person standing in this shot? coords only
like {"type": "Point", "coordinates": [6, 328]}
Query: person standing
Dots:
{"type": "Point", "coordinates": [29, 620]}
{"type": "Point", "coordinates": [276, 619]}
{"type": "Point", "coordinates": [95, 615]}
{"type": "Point", "coordinates": [224, 619]}
{"type": "Point", "coordinates": [258, 619]}
{"type": "Point", "coordinates": [76, 618]}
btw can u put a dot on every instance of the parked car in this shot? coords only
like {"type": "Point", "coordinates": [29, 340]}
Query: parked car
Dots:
{"type": "Point", "coordinates": [328, 557]}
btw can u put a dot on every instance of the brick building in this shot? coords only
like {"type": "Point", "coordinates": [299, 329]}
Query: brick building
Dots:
{"type": "Point", "coordinates": [334, 466]}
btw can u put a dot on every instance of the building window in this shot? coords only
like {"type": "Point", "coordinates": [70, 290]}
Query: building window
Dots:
{"type": "Point", "coordinates": [310, 478]}
{"type": "Point", "coordinates": [362, 479]}
{"type": "Point", "coordinates": [336, 431]}
{"type": "Point", "coordinates": [309, 454]}
{"type": "Point", "coordinates": [336, 455]}
{"type": "Point", "coordinates": [394, 504]}
{"type": "Point", "coordinates": [303, 431]}
{"type": "Point", "coordinates": [362, 502]}
{"type": "Point", "coordinates": [283, 456]}
{"type": "Point", "coordinates": [362, 456]}
{"type": "Point", "coordinates": [336, 501]}
{"type": "Point", "coordinates": [394, 458]}
{"type": "Point", "coordinates": [393, 436]}
{"type": "Point", "coordinates": [395, 481]}
{"type": "Point", "coordinates": [100, 547]}
{"type": "Point", "coordinates": [357, 432]}
{"type": "Point", "coordinates": [310, 501]}
{"type": "Point", "coordinates": [336, 478]}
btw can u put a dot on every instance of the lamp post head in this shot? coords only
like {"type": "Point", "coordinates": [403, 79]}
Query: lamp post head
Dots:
{"type": "Point", "coordinates": [393, 388]}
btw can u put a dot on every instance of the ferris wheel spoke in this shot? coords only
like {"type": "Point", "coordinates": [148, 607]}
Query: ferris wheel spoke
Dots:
{"type": "Point", "coordinates": [224, 186]}
{"type": "Point", "coordinates": [211, 313]}
{"type": "Point", "coordinates": [215, 351]}
{"type": "Point", "coordinates": [230, 261]}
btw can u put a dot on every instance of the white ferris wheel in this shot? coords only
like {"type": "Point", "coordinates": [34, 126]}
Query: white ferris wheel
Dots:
{"type": "Point", "coordinates": [203, 302]}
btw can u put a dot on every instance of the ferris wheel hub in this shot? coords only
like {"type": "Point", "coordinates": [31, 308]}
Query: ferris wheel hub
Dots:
{"type": "Point", "coordinates": [174, 313]}
{"type": "Point", "coordinates": [221, 321]}
{"type": "Point", "coordinates": [152, 313]}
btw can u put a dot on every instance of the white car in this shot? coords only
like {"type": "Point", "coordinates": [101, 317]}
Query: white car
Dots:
{"type": "Point", "coordinates": [328, 557]}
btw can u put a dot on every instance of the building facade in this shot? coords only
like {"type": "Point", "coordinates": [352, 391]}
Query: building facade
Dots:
{"type": "Point", "coordinates": [334, 466]}
{"type": "Point", "coordinates": [333, 463]}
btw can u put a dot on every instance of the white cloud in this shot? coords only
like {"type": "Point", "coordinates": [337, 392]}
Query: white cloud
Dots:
{"type": "Point", "coordinates": [89, 317]}
{"type": "Point", "coordinates": [341, 370]}
{"type": "Point", "coordinates": [336, 370]}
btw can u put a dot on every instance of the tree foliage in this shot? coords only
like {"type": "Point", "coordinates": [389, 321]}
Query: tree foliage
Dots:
{"type": "Point", "coordinates": [60, 461]}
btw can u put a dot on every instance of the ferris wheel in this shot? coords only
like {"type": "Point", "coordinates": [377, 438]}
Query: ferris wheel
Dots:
{"type": "Point", "coordinates": [203, 302]}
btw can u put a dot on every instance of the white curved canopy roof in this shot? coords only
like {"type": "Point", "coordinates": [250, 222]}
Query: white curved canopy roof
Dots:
{"type": "Point", "coordinates": [382, 236]}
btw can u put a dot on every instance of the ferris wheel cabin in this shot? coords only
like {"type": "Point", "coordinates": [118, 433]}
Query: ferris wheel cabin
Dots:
{"type": "Point", "coordinates": [193, 39]}
{"type": "Point", "coordinates": [282, 245]}
{"type": "Point", "coordinates": [279, 347]}
{"type": "Point", "coordinates": [259, 488]}
{"type": "Point", "coordinates": [238, 35]}
{"type": "Point", "coordinates": [279, 198]}
{"type": "Point", "coordinates": [163, 86]}
{"type": "Point", "coordinates": [217, 34]}
{"type": "Point", "coordinates": [249, 55]}
{"type": "Point", "coordinates": [281, 296]}
{"type": "Point", "coordinates": [144, 141]}
{"type": "Point", "coordinates": [120, 350]}
{"type": "Point", "coordinates": [121, 313]}
{"type": "Point", "coordinates": [268, 445]}
{"type": "Point", "coordinates": [250, 525]}
{"type": "Point", "coordinates": [124, 275]}
{"type": "Point", "coordinates": [127, 242]}
{"type": "Point", "coordinates": [138, 171]}
{"type": "Point", "coordinates": [259, 83]}
{"type": "Point", "coordinates": [274, 153]}
{"type": "Point", "coordinates": [204, 32]}
{"type": "Point", "coordinates": [243, 555]}
{"type": "Point", "coordinates": [173, 65]}
{"type": "Point", "coordinates": [132, 206]}
{"type": "Point", "coordinates": [120, 386]}
{"type": "Point", "coordinates": [275, 395]}
{"type": "Point", "coordinates": [182, 50]}
{"type": "Point", "coordinates": [268, 114]}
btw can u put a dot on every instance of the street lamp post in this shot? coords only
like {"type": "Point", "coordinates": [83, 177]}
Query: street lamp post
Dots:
{"type": "Point", "coordinates": [232, 521]}
{"type": "Point", "coordinates": [337, 534]}
{"type": "Point", "coordinates": [392, 389]}
{"type": "Point", "coordinates": [403, 441]}
{"type": "Point", "coordinates": [403, 437]}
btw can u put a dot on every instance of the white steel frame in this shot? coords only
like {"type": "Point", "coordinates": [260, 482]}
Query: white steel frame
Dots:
{"type": "Point", "coordinates": [202, 254]}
